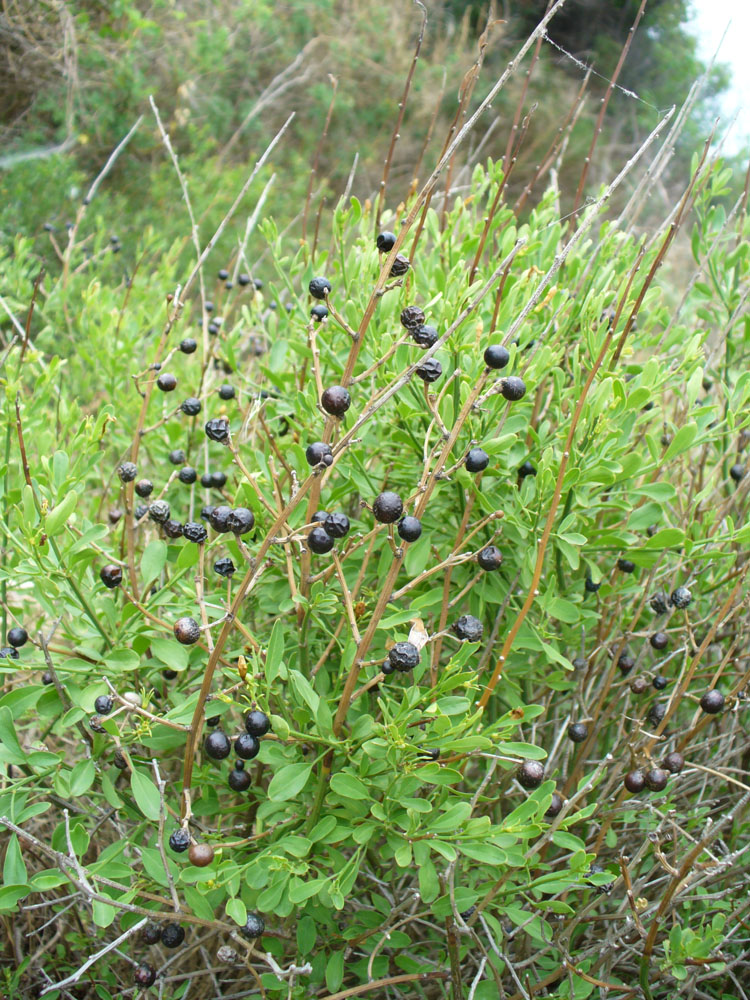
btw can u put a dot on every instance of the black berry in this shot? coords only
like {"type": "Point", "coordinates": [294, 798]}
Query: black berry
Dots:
{"type": "Point", "coordinates": [18, 636]}
{"type": "Point", "coordinates": [151, 933]}
{"type": "Point", "coordinates": [388, 507]}
{"type": "Point", "coordinates": [177, 457]}
{"type": "Point", "coordinates": [430, 370]}
{"type": "Point", "coordinates": [217, 745]}
{"type": "Point", "coordinates": [530, 774]}
{"type": "Point", "coordinates": [385, 241]}
{"type": "Point", "coordinates": [496, 356]}
{"type": "Point", "coordinates": [217, 480]}
{"type": "Point", "coordinates": [635, 781]}
{"type": "Point", "coordinates": [243, 279]}
{"type": "Point", "coordinates": [319, 516]}
{"type": "Point", "coordinates": [111, 575]}
{"type": "Point", "coordinates": [207, 511]}
{"type": "Point", "coordinates": [127, 472]}
{"type": "Point", "coordinates": [319, 312]}
{"type": "Point", "coordinates": [674, 762]}
{"type": "Point", "coordinates": [319, 452]}
{"type": "Point", "coordinates": [226, 391]}
{"type": "Point", "coordinates": [409, 528]}
{"type": "Point", "coordinates": [477, 460]}
{"type": "Point", "coordinates": [319, 541]}
{"type": "Point", "coordinates": [404, 656]}
{"type": "Point", "coordinates": [639, 685]}
{"type": "Point", "coordinates": [224, 567]}
{"type": "Point", "coordinates": [336, 525]}
{"type": "Point", "coordinates": [578, 732]}
{"type": "Point", "coordinates": [319, 288]}
{"type": "Point", "coordinates": [254, 926]}
{"type": "Point", "coordinates": [219, 518]}
{"type": "Point", "coordinates": [191, 406]}
{"type": "Point", "coordinates": [144, 975]}
{"type": "Point", "coordinates": [659, 682]}
{"type": "Point", "coordinates": [144, 488]}
{"type": "Point", "coordinates": [240, 521]}
{"type": "Point", "coordinates": [656, 779]}
{"type": "Point", "coordinates": [468, 628]}
{"type": "Point", "coordinates": [425, 336]}
{"type": "Point", "coordinates": [239, 780]}
{"type": "Point", "coordinates": [527, 469]}
{"type": "Point", "coordinates": [555, 805]}
{"type": "Point", "coordinates": [179, 840]}
{"type": "Point", "coordinates": [140, 511]}
{"type": "Point", "coordinates": [712, 701]}
{"type": "Point", "coordinates": [737, 472]}
{"type": "Point", "coordinates": [217, 429]}
{"type": "Point", "coordinates": [656, 714]}
{"type": "Point", "coordinates": [103, 704]}
{"type": "Point", "coordinates": [187, 475]}
{"type": "Point", "coordinates": [172, 935]}
{"type": "Point", "coordinates": [246, 746]}
{"type": "Point", "coordinates": [223, 274]}
{"type": "Point", "coordinates": [659, 640]}
{"type": "Point", "coordinates": [513, 388]}
{"type": "Point", "coordinates": [166, 382]}
{"type": "Point", "coordinates": [257, 723]}
{"type": "Point", "coordinates": [658, 604]}
{"type": "Point", "coordinates": [195, 532]}
{"type": "Point", "coordinates": [412, 317]}
{"type": "Point", "coordinates": [625, 565]}
{"type": "Point", "coordinates": [400, 265]}
{"type": "Point", "coordinates": [681, 597]}
{"type": "Point", "coordinates": [187, 631]}
{"type": "Point", "coordinates": [590, 586]}
{"type": "Point", "coordinates": [159, 511]}
{"type": "Point", "coordinates": [626, 663]}
{"type": "Point", "coordinates": [336, 400]}
{"type": "Point", "coordinates": [490, 557]}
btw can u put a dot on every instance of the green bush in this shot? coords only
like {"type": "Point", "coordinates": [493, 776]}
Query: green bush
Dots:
{"type": "Point", "coordinates": [433, 831]}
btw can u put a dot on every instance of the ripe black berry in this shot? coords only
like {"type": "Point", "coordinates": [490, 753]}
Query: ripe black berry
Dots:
{"type": "Point", "coordinates": [140, 511]}
{"type": "Point", "coordinates": [144, 975]}
{"type": "Point", "coordinates": [189, 345]}
{"type": "Point", "coordinates": [385, 241]}
{"type": "Point", "coordinates": [625, 565]}
{"type": "Point", "coordinates": [319, 313]}
{"type": "Point", "coordinates": [658, 604]}
{"type": "Point", "coordinates": [318, 452]}
{"type": "Point", "coordinates": [191, 406]}
{"type": "Point", "coordinates": [681, 597]}
{"type": "Point", "coordinates": [336, 525]}
{"type": "Point", "coordinates": [404, 656]}
{"type": "Point", "coordinates": [555, 805]}
{"type": "Point", "coordinates": [172, 935]}
{"type": "Point", "coordinates": [144, 488]}
{"type": "Point", "coordinates": [425, 336]}
{"type": "Point", "coordinates": [659, 640]}
{"type": "Point", "coordinates": [319, 541]}
{"type": "Point", "coordinates": [490, 557]}
{"type": "Point", "coordinates": [430, 370]}
{"type": "Point", "coordinates": [223, 274]}
{"type": "Point", "coordinates": [226, 391]}
{"type": "Point", "coordinates": [257, 723]}
{"type": "Point", "coordinates": [319, 288]}
{"type": "Point", "coordinates": [213, 328]}
{"type": "Point", "coordinates": [243, 279]}
{"type": "Point", "coordinates": [187, 631]}
{"type": "Point", "coordinates": [513, 388]}
{"type": "Point", "coordinates": [224, 567]}
{"type": "Point", "coordinates": [400, 265]}
{"type": "Point", "coordinates": [412, 317]}
{"type": "Point", "coordinates": [737, 472]}
{"type": "Point", "coordinates": [177, 457]}
{"type": "Point", "coordinates": [103, 704]}
{"type": "Point", "coordinates": [114, 515]}
{"type": "Point", "coordinates": [159, 511]}
{"type": "Point", "coordinates": [111, 575]}
{"type": "Point", "coordinates": [530, 774]}
{"type": "Point", "coordinates": [254, 926]}
{"type": "Point", "coordinates": [18, 636]}
{"type": "Point", "coordinates": [217, 745]}
{"type": "Point", "coordinates": [319, 516]}
{"type": "Point", "coordinates": [387, 508]}
{"type": "Point", "coordinates": [219, 518]}
{"type": "Point", "coordinates": [659, 682]}
{"type": "Point", "coordinates": [179, 840]}
{"type": "Point", "coordinates": [477, 460]}
{"type": "Point", "coordinates": [468, 628]}
{"type": "Point", "coordinates": [195, 532]}
{"type": "Point", "coordinates": [527, 469]}
{"type": "Point", "coordinates": [712, 701]}
{"type": "Point", "coordinates": [151, 933]}
{"type": "Point", "coordinates": [217, 429]}
{"type": "Point", "coordinates": [409, 528]}
{"type": "Point", "coordinates": [387, 667]}
{"type": "Point", "coordinates": [240, 521]}
{"type": "Point", "coordinates": [187, 475]}
{"type": "Point", "coordinates": [218, 479]}
{"type": "Point", "coordinates": [590, 586]}
{"type": "Point", "coordinates": [656, 714]}
{"type": "Point", "coordinates": [127, 472]}
{"type": "Point", "coordinates": [626, 663]}
{"type": "Point", "coordinates": [47, 677]}
{"type": "Point", "coordinates": [246, 746]}
{"type": "Point", "coordinates": [674, 762]}
{"type": "Point", "coordinates": [167, 382]}
{"type": "Point", "coordinates": [496, 356]}
{"type": "Point", "coordinates": [239, 780]}
{"type": "Point", "coordinates": [120, 760]}
{"type": "Point", "coordinates": [336, 400]}
{"type": "Point", "coordinates": [635, 781]}
{"type": "Point", "coordinates": [207, 511]}
{"type": "Point", "coordinates": [578, 732]}
{"type": "Point", "coordinates": [656, 779]}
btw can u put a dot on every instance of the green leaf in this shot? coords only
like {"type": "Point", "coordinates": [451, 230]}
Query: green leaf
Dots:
{"type": "Point", "coordinates": [349, 787]}
{"type": "Point", "coordinates": [11, 894]}
{"type": "Point", "coordinates": [11, 748]}
{"type": "Point", "coordinates": [428, 882]}
{"type": "Point", "coordinates": [57, 517]}
{"type": "Point", "coordinates": [153, 559]}
{"type": "Point", "coordinates": [288, 782]}
{"type": "Point", "coordinates": [14, 867]}
{"type": "Point", "coordinates": [335, 971]}
{"type": "Point", "coordinates": [146, 794]}
{"type": "Point", "coordinates": [237, 911]}
{"type": "Point", "coordinates": [681, 441]}
{"type": "Point", "coordinates": [82, 777]}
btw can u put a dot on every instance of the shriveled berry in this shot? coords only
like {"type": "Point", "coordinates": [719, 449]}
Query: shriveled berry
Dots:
{"type": "Point", "coordinates": [400, 265]}
{"type": "Point", "coordinates": [246, 746]}
{"type": "Point", "coordinates": [336, 525]}
{"type": "Point", "coordinates": [144, 975]}
{"type": "Point", "coordinates": [18, 636]}
{"type": "Point", "coordinates": [195, 532]}
{"type": "Point", "coordinates": [412, 317]}
{"type": "Point", "coordinates": [217, 745]}
{"type": "Point", "coordinates": [512, 388]}
{"type": "Point", "coordinates": [140, 511]}
{"type": "Point", "coordinates": [496, 356]}
{"type": "Point", "coordinates": [656, 779]}
{"type": "Point", "coordinates": [319, 313]}
{"type": "Point", "coordinates": [639, 685]}
{"type": "Point", "coordinates": [257, 723]}
{"type": "Point", "coordinates": [490, 557]}
{"type": "Point", "coordinates": [681, 597]}
{"type": "Point", "coordinates": [712, 702]}
{"type": "Point", "coordinates": [172, 935]}
{"type": "Point", "coordinates": [319, 541]}
{"type": "Point", "coordinates": [239, 780]}
{"type": "Point", "coordinates": [387, 507]}
{"type": "Point", "coordinates": [95, 723]}
{"type": "Point", "coordinates": [187, 631]}
{"type": "Point", "coordinates": [409, 528]}
{"type": "Point", "coordinates": [336, 400]}
{"type": "Point", "coordinates": [127, 472]}
{"type": "Point", "coordinates": [635, 781]}
{"type": "Point", "coordinates": [578, 732]}
{"type": "Point", "coordinates": [187, 475]}
{"type": "Point", "coordinates": [530, 774]}
{"type": "Point", "coordinates": [404, 656]}
{"type": "Point", "coordinates": [477, 460]}
{"type": "Point", "coordinates": [191, 406]}
{"type": "Point", "coordinates": [201, 855]}
{"type": "Point", "coordinates": [241, 521]}
{"type": "Point", "coordinates": [658, 604]}
{"type": "Point", "coordinates": [189, 345]}
{"type": "Point", "coordinates": [319, 452]}
{"type": "Point", "coordinates": [224, 567]}
{"type": "Point", "coordinates": [430, 370]}
{"type": "Point", "coordinates": [167, 382]}
{"type": "Point", "coordinates": [555, 805]}
{"type": "Point", "coordinates": [217, 429]}
{"type": "Point", "coordinates": [103, 704]}
{"type": "Point", "coordinates": [226, 391]}
{"type": "Point", "coordinates": [319, 288]}
{"type": "Point", "coordinates": [111, 575]}
{"type": "Point", "coordinates": [254, 926]}
{"type": "Point", "coordinates": [120, 760]}
{"type": "Point", "coordinates": [144, 488]}
{"type": "Point", "coordinates": [625, 565]}
{"type": "Point", "coordinates": [425, 336]}
{"type": "Point", "coordinates": [177, 457]}
{"type": "Point", "coordinates": [659, 640]}
{"type": "Point", "coordinates": [159, 511]}
{"type": "Point", "coordinates": [673, 762]}
{"type": "Point", "coordinates": [219, 518]}
{"type": "Point", "coordinates": [385, 241]}
{"type": "Point", "coordinates": [468, 628]}
{"type": "Point", "coordinates": [179, 840]}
